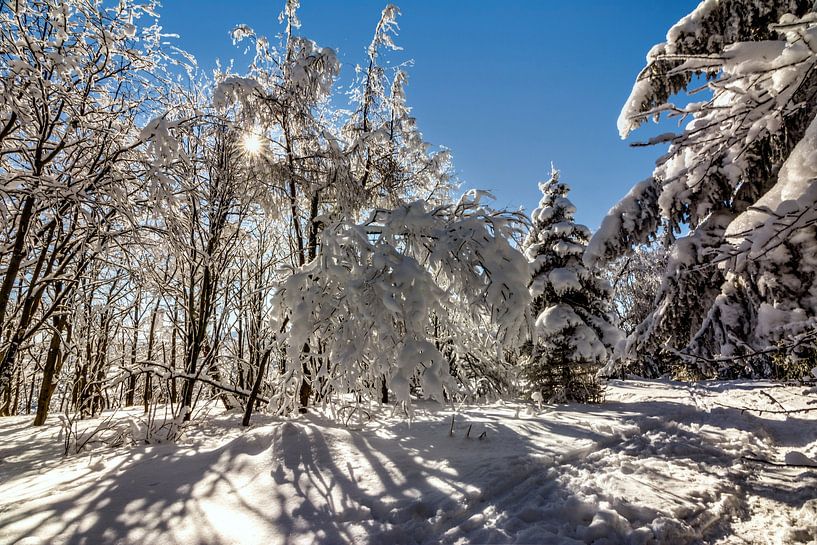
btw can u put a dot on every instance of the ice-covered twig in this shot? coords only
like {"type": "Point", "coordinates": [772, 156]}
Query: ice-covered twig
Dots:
{"type": "Point", "coordinates": [773, 399]}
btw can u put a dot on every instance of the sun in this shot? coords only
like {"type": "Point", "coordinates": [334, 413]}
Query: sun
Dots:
{"type": "Point", "coordinates": [251, 142]}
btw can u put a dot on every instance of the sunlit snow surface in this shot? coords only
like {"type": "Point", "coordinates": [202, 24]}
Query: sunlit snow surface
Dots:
{"type": "Point", "coordinates": [657, 463]}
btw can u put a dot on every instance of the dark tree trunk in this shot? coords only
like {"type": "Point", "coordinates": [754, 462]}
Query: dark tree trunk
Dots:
{"type": "Point", "coordinates": [148, 394]}
{"type": "Point", "coordinates": [173, 394]}
{"type": "Point", "coordinates": [130, 394]}
{"type": "Point", "coordinates": [100, 367]}
{"type": "Point", "coordinates": [51, 370]}
{"type": "Point", "coordinates": [30, 304]}
{"type": "Point", "coordinates": [30, 398]}
{"type": "Point", "coordinates": [256, 387]}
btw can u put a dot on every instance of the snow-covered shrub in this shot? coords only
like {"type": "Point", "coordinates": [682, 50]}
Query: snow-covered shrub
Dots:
{"type": "Point", "coordinates": [384, 299]}
{"type": "Point", "coordinates": [574, 332]}
{"type": "Point", "coordinates": [107, 433]}
{"type": "Point", "coordinates": [149, 429]}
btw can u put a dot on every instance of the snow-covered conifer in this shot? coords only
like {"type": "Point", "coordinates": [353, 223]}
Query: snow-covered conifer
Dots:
{"type": "Point", "coordinates": [574, 334]}
{"type": "Point", "coordinates": [737, 182]}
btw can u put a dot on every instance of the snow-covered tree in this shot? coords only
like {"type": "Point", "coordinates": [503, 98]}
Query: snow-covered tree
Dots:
{"type": "Point", "coordinates": [738, 177]}
{"type": "Point", "coordinates": [636, 279]}
{"type": "Point", "coordinates": [377, 306]}
{"type": "Point", "coordinates": [389, 162]}
{"type": "Point", "coordinates": [75, 77]}
{"type": "Point", "coordinates": [330, 168]}
{"type": "Point", "coordinates": [574, 334]}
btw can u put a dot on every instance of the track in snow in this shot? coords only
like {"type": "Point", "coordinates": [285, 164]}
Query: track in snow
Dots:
{"type": "Point", "coordinates": [658, 463]}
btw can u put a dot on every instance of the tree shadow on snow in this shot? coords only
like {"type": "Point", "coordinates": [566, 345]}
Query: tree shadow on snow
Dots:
{"type": "Point", "coordinates": [135, 499]}
{"type": "Point", "coordinates": [311, 480]}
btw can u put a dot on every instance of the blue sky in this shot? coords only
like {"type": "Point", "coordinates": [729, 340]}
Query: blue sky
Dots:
{"type": "Point", "coordinates": [508, 86]}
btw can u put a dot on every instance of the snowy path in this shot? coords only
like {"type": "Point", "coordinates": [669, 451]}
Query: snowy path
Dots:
{"type": "Point", "coordinates": [657, 463]}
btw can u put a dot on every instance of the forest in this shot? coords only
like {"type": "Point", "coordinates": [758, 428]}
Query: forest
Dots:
{"type": "Point", "coordinates": [258, 257]}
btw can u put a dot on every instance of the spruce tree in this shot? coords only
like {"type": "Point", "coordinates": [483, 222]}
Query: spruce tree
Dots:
{"type": "Point", "coordinates": [574, 333]}
{"type": "Point", "coordinates": [734, 196]}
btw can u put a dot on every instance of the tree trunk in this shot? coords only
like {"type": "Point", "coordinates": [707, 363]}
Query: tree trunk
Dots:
{"type": "Point", "coordinates": [51, 370]}
{"type": "Point", "coordinates": [256, 387]}
{"type": "Point", "coordinates": [99, 399]}
{"type": "Point", "coordinates": [130, 394]}
{"type": "Point", "coordinates": [16, 259]}
{"type": "Point", "coordinates": [147, 397]}
{"type": "Point", "coordinates": [305, 391]}
{"type": "Point", "coordinates": [173, 394]}
{"type": "Point", "coordinates": [15, 398]}
{"type": "Point", "coordinates": [30, 398]}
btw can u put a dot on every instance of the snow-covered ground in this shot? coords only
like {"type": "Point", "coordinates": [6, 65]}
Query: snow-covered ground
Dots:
{"type": "Point", "coordinates": [659, 462]}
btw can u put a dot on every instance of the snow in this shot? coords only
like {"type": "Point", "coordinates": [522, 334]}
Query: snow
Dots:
{"type": "Point", "coordinates": [639, 95]}
{"type": "Point", "coordinates": [794, 190]}
{"type": "Point", "coordinates": [691, 23]}
{"type": "Point", "coordinates": [659, 462]}
{"type": "Point", "coordinates": [623, 224]}
{"type": "Point", "coordinates": [771, 320]}
{"type": "Point", "coordinates": [564, 279]}
{"type": "Point", "coordinates": [236, 89]}
{"type": "Point", "coordinates": [556, 319]}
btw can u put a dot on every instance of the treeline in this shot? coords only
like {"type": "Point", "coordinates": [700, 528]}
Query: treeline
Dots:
{"type": "Point", "coordinates": [168, 236]}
